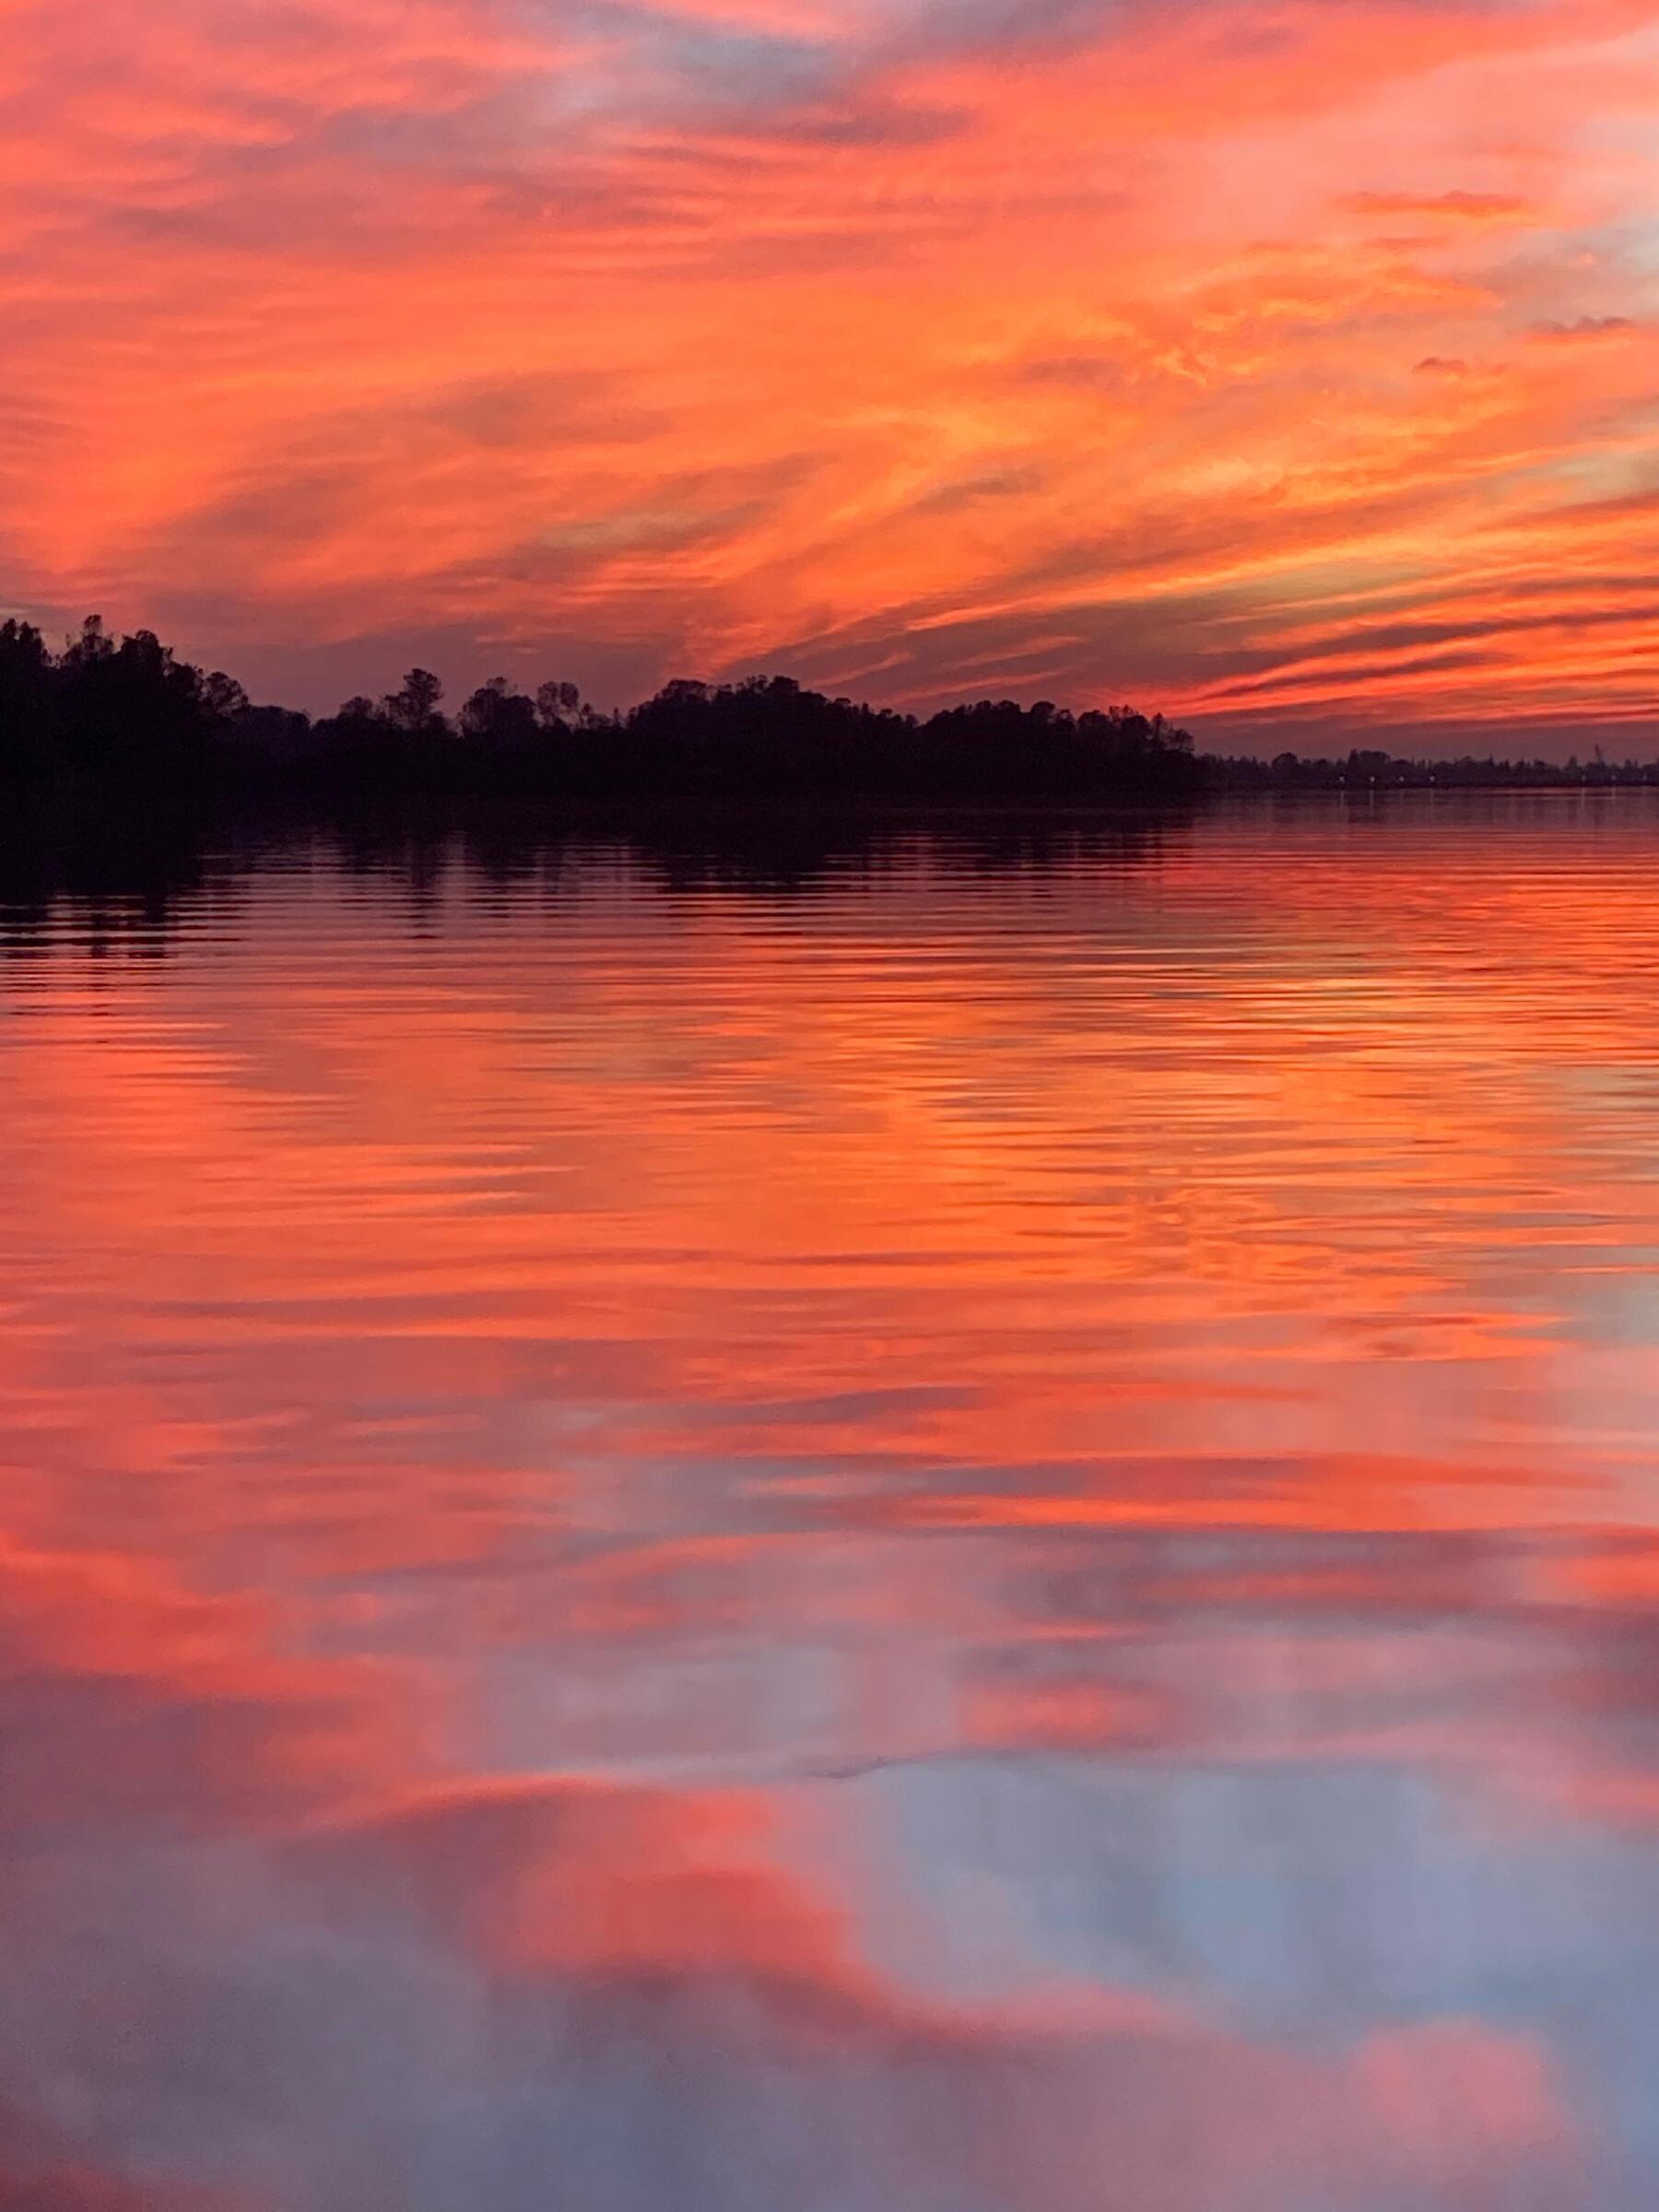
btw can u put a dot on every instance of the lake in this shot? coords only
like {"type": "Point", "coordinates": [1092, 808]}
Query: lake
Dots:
{"type": "Point", "coordinates": [960, 1519]}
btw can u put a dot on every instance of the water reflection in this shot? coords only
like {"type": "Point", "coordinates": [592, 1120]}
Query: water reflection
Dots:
{"type": "Point", "coordinates": [128, 882]}
{"type": "Point", "coordinates": [928, 1529]}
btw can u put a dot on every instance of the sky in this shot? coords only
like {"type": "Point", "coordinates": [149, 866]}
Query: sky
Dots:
{"type": "Point", "coordinates": [1291, 366]}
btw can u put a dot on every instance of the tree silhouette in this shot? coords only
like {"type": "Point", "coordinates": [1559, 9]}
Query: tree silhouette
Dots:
{"type": "Point", "coordinates": [415, 708]}
{"type": "Point", "coordinates": [559, 705]}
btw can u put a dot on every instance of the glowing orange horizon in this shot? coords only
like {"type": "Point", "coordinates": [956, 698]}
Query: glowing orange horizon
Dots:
{"type": "Point", "coordinates": [1292, 369]}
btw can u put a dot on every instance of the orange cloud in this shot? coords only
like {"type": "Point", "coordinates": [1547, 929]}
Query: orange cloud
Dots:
{"type": "Point", "coordinates": [1461, 206]}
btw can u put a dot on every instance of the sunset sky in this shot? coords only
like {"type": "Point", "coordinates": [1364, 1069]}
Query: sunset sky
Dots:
{"type": "Point", "coordinates": [1289, 365]}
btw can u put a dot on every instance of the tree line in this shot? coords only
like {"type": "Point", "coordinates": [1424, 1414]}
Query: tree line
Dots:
{"type": "Point", "coordinates": [1366, 769]}
{"type": "Point", "coordinates": [129, 712]}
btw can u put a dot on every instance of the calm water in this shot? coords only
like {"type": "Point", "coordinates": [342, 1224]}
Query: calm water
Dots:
{"type": "Point", "coordinates": [923, 1531]}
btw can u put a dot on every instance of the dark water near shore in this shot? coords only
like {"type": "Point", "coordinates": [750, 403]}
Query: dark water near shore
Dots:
{"type": "Point", "coordinates": [957, 1522]}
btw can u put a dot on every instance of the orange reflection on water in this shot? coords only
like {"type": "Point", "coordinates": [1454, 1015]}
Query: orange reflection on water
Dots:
{"type": "Point", "coordinates": [959, 1539]}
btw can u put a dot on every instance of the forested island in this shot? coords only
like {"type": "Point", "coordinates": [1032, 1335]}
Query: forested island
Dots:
{"type": "Point", "coordinates": [127, 714]}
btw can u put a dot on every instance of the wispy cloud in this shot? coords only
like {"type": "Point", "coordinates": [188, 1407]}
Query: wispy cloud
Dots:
{"type": "Point", "coordinates": [1585, 326]}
